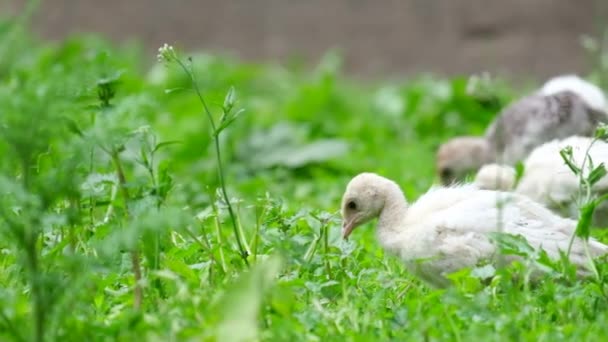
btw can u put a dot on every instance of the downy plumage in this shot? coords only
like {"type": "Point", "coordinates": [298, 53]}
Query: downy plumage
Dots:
{"type": "Point", "coordinates": [449, 228]}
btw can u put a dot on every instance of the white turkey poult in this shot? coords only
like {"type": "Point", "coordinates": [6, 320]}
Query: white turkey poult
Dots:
{"type": "Point", "coordinates": [548, 180]}
{"type": "Point", "coordinates": [565, 106]}
{"type": "Point", "coordinates": [449, 228]}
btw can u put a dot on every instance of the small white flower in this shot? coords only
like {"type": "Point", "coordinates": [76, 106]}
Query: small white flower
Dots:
{"type": "Point", "coordinates": [166, 53]}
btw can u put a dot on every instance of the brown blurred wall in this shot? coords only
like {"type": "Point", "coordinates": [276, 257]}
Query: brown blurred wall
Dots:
{"type": "Point", "coordinates": [378, 38]}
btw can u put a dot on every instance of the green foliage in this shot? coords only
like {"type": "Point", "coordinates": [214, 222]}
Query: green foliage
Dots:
{"type": "Point", "coordinates": [113, 227]}
{"type": "Point", "coordinates": [588, 175]}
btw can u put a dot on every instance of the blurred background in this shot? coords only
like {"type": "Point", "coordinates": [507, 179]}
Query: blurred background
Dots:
{"type": "Point", "coordinates": [531, 38]}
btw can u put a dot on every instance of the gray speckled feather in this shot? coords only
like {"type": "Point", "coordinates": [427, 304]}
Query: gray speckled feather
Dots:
{"type": "Point", "coordinates": [536, 119]}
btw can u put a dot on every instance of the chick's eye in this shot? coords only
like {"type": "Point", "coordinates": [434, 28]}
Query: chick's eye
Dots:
{"type": "Point", "coordinates": [351, 205]}
{"type": "Point", "coordinates": [446, 173]}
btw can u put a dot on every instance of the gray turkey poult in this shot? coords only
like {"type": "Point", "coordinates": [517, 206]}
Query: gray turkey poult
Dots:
{"type": "Point", "coordinates": [449, 228]}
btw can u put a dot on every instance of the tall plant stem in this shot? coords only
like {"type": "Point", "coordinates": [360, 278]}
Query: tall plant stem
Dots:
{"type": "Point", "coordinates": [39, 311]}
{"type": "Point", "coordinates": [582, 181]}
{"type": "Point", "coordinates": [135, 259]}
{"type": "Point", "coordinates": [29, 240]}
{"type": "Point", "coordinates": [220, 170]}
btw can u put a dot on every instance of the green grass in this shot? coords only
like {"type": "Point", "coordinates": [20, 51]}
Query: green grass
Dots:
{"type": "Point", "coordinates": [75, 112]}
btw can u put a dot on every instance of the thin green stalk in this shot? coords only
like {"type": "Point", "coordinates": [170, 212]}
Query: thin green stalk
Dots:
{"type": "Point", "coordinates": [598, 201]}
{"type": "Point", "coordinates": [240, 227]}
{"type": "Point", "coordinates": [39, 311]}
{"type": "Point", "coordinates": [24, 239]}
{"type": "Point", "coordinates": [135, 259]}
{"type": "Point", "coordinates": [500, 204]}
{"type": "Point", "coordinates": [591, 262]}
{"type": "Point", "coordinates": [91, 200]}
{"type": "Point", "coordinates": [110, 209]}
{"type": "Point", "coordinates": [72, 236]}
{"type": "Point", "coordinates": [581, 179]}
{"type": "Point", "coordinates": [206, 245]}
{"type": "Point", "coordinates": [238, 234]}
{"type": "Point", "coordinates": [312, 249]}
{"type": "Point", "coordinates": [220, 241]}
{"type": "Point", "coordinates": [453, 326]}
{"type": "Point", "coordinates": [157, 282]}
{"type": "Point", "coordinates": [157, 236]}
{"type": "Point", "coordinates": [256, 234]}
{"type": "Point", "coordinates": [587, 188]}
{"type": "Point", "coordinates": [31, 254]}
{"type": "Point", "coordinates": [325, 232]}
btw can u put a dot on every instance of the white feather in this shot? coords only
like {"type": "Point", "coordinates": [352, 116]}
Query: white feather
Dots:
{"type": "Point", "coordinates": [495, 177]}
{"type": "Point", "coordinates": [590, 93]}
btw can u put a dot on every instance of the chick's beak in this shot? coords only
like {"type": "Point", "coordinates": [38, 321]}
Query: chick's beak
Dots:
{"type": "Point", "coordinates": [347, 228]}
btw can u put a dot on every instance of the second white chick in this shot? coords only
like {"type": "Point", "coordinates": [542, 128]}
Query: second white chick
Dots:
{"type": "Point", "coordinates": [547, 179]}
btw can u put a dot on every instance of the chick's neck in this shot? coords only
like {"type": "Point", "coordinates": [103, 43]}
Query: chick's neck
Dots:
{"type": "Point", "coordinates": [395, 207]}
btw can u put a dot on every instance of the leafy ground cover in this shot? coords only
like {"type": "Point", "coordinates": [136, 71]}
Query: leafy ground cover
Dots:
{"type": "Point", "coordinates": [108, 175]}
